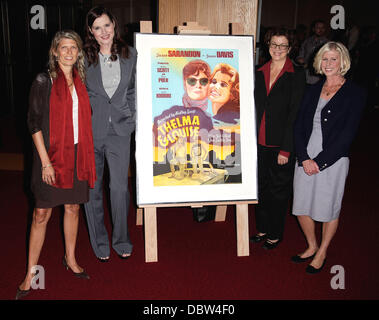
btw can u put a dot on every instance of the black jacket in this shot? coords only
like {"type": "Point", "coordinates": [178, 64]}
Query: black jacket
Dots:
{"type": "Point", "coordinates": [281, 106]}
{"type": "Point", "coordinates": [340, 119]}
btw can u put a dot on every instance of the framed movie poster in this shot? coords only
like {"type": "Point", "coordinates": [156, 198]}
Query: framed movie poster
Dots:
{"type": "Point", "coordinates": [195, 133]}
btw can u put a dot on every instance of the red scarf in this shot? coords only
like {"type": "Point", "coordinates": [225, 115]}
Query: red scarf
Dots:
{"type": "Point", "coordinates": [62, 150]}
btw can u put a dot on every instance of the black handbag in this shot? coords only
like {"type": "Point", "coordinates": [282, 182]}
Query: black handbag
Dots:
{"type": "Point", "coordinates": [204, 214]}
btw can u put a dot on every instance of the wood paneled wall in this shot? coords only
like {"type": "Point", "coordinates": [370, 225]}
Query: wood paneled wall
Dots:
{"type": "Point", "coordinates": [215, 14]}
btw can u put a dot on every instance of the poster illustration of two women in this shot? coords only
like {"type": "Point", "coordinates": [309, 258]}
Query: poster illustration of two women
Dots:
{"type": "Point", "coordinates": [196, 116]}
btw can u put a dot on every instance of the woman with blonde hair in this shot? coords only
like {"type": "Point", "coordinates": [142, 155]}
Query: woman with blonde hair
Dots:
{"type": "Point", "coordinates": [59, 120]}
{"type": "Point", "coordinates": [324, 130]}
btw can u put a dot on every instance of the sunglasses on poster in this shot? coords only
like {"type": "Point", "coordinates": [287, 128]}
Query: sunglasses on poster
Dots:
{"type": "Point", "coordinates": [202, 81]}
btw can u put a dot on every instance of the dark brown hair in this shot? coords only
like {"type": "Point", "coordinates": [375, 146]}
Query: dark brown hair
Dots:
{"type": "Point", "coordinates": [278, 31]}
{"type": "Point", "coordinates": [92, 48]}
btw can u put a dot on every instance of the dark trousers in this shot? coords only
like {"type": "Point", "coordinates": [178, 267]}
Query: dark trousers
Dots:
{"type": "Point", "coordinates": [274, 191]}
{"type": "Point", "coordinates": [116, 150]}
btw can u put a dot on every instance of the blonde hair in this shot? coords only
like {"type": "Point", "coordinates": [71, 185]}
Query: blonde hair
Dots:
{"type": "Point", "coordinates": [333, 46]}
{"type": "Point", "coordinates": [79, 64]}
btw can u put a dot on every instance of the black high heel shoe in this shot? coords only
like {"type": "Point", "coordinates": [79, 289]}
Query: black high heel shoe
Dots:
{"type": "Point", "coordinates": [81, 275]}
{"type": "Point", "coordinates": [258, 238]}
{"type": "Point", "coordinates": [269, 245]}
{"type": "Point", "coordinates": [20, 294]}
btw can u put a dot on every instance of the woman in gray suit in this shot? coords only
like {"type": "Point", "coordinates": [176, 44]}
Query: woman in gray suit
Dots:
{"type": "Point", "coordinates": [110, 79]}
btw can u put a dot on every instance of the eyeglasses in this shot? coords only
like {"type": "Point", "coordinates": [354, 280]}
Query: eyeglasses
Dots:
{"type": "Point", "coordinates": [202, 81]}
{"type": "Point", "coordinates": [281, 47]}
{"type": "Point", "coordinates": [223, 84]}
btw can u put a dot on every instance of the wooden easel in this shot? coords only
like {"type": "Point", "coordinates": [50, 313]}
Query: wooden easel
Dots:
{"type": "Point", "coordinates": [148, 214]}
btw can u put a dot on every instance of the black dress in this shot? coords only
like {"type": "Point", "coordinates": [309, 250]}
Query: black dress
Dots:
{"type": "Point", "coordinates": [45, 195]}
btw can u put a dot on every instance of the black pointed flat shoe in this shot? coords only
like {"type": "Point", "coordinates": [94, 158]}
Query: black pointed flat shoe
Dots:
{"type": "Point", "coordinates": [20, 294]}
{"type": "Point", "coordinates": [269, 245]}
{"type": "Point", "coordinates": [81, 275]}
{"type": "Point", "coordinates": [312, 270]}
{"type": "Point", "coordinates": [298, 259]}
{"type": "Point", "coordinates": [257, 238]}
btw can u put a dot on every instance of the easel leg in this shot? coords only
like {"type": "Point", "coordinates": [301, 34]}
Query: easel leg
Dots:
{"type": "Point", "coordinates": [151, 247]}
{"type": "Point", "coordinates": [139, 220]}
{"type": "Point", "coordinates": [220, 213]}
{"type": "Point", "coordinates": [242, 230]}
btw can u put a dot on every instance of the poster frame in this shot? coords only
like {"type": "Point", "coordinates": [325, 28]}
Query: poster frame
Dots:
{"type": "Point", "coordinates": [147, 193]}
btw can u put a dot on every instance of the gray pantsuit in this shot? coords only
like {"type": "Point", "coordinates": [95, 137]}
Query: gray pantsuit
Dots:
{"type": "Point", "coordinates": [113, 122]}
{"type": "Point", "coordinates": [115, 149]}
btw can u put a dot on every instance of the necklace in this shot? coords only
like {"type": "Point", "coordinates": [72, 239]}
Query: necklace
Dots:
{"type": "Point", "coordinates": [69, 80]}
{"type": "Point", "coordinates": [108, 61]}
{"type": "Point", "coordinates": [328, 90]}
{"type": "Point", "coordinates": [70, 83]}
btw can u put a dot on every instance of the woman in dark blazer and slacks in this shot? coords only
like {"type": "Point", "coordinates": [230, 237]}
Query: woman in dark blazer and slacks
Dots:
{"type": "Point", "coordinates": [279, 87]}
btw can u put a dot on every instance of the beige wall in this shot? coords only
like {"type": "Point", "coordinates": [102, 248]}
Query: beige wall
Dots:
{"type": "Point", "coordinates": [215, 14]}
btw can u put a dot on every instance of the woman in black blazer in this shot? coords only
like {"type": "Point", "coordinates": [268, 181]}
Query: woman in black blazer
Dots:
{"type": "Point", "coordinates": [279, 87]}
{"type": "Point", "coordinates": [325, 127]}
